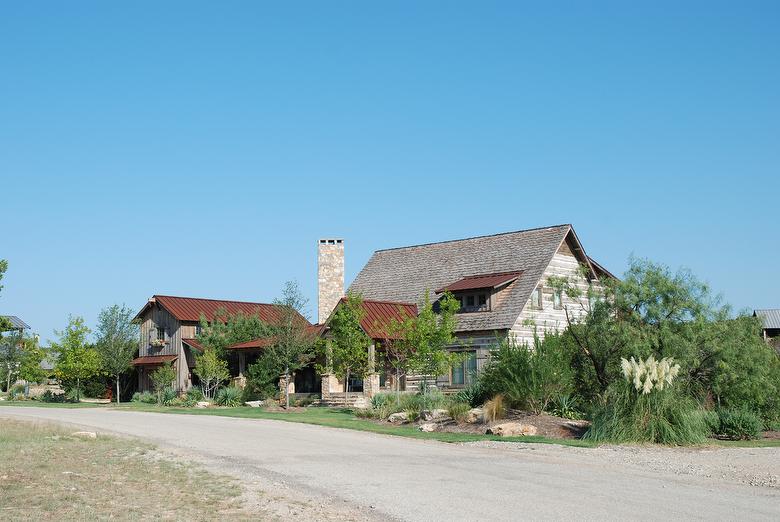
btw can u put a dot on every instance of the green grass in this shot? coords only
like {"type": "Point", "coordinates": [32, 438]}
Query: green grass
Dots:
{"type": "Point", "coordinates": [39, 404]}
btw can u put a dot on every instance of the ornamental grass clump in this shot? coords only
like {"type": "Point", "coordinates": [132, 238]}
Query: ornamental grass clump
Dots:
{"type": "Point", "coordinates": [646, 406]}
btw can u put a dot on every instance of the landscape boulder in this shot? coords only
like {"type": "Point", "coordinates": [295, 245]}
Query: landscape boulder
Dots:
{"type": "Point", "coordinates": [254, 404]}
{"type": "Point", "coordinates": [475, 415]}
{"type": "Point", "coordinates": [433, 415]}
{"type": "Point", "coordinates": [84, 434]}
{"type": "Point", "coordinates": [202, 404]}
{"type": "Point", "coordinates": [512, 429]}
{"type": "Point", "coordinates": [397, 418]}
{"type": "Point", "coordinates": [429, 427]}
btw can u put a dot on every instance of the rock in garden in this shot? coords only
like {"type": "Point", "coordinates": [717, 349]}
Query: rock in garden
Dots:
{"type": "Point", "coordinates": [202, 404]}
{"type": "Point", "coordinates": [429, 426]}
{"type": "Point", "coordinates": [398, 417]}
{"type": "Point", "coordinates": [438, 414]}
{"type": "Point", "coordinates": [475, 415]}
{"type": "Point", "coordinates": [84, 434]}
{"type": "Point", "coordinates": [512, 429]}
{"type": "Point", "coordinates": [254, 404]}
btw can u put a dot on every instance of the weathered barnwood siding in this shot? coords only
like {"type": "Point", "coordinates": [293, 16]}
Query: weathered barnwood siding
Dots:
{"type": "Point", "coordinates": [155, 318]}
{"type": "Point", "coordinates": [548, 318]}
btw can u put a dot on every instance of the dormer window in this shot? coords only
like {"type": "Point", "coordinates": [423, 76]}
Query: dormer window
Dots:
{"type": "Point", "coordinates": [476, 292]}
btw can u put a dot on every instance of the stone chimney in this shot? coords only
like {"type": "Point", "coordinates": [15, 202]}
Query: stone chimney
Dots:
{"type": "Point", "coordinates": [330, 276]}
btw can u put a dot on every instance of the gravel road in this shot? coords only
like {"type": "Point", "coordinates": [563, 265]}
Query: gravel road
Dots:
{"type": "Point", "coordinates": [325, 473]}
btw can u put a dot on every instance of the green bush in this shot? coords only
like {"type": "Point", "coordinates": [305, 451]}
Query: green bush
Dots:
{"type": "Point", "coordinates": [168, 397]}
{"type": "Point", "coordinates": [459, 410]}
{"type": "Point", "coordinates": [229, 396]}
{"type": "Point", "coordinates": [58, 398]}
{"type": "Point", "coordinates": [262, 380]}
{"type": "Point", "coordinates": [529, 377]}
{"type": "Point", "coordinates": [144, 397]}
{"type": "Point", "coordinates": [739, 424]}
{"type": "Point", "coordinates": [565, 406]}
{"type": "Point", "coordinates": [666, 416]}
{"type": "Point", "coordinates": [473, 394]}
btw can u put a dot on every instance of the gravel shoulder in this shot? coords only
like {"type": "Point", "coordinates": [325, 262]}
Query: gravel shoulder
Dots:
{"type": "Point", "coordinates": [327, 473]}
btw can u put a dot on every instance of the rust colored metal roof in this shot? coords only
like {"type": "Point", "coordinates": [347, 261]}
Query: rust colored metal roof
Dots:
{"type": "Point", "coordinates": [313, 330]}
{"type": "Point", "coordinates": [193, 343]}
{"type": "Point", "coordinates": [153, 359]}
{"type": "Point", "coordinates": [380, 315]}
{"type": "Point", "coordinates": [190, 308]}
{"type": "Point", "coordinates": [254, 344]}
{"type": "Point", "coordinates": [481, 281]}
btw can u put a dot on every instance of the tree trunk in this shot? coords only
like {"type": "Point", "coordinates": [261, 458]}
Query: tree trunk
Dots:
{"type": "Point", "coordinates": [287, 388]}
{"type": "Point", "coordinates": [78, 389]}
{"type": "Point", "coordinates": [346, 387]}
{"type": "Point", "coordinates": [117, 388]}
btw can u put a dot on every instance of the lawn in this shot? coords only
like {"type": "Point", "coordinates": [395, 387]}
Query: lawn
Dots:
{"type": "Point", "coordinates": [48, 474]}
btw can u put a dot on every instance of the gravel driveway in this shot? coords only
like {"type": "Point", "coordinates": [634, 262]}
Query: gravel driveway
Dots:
{"type": "Point", "coordinates": [326, 473]}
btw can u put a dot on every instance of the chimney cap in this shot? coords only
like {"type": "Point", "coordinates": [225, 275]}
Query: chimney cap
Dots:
{"type": "Point", "coordinates": [328, 241]}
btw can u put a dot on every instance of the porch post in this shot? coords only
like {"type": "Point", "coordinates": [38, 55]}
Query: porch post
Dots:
{"type": "Point", "coordinates": [371, 383]}
{"type": "Point", "coordinates": [241, 363]}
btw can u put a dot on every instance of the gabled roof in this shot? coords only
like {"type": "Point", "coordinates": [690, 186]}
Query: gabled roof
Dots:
{"type": "Point", "coordinates": [404, 274]}
{"type": "Point", "coordinates": [475, 282]}
{"type": "Point", "coordinates": [190, 308]}
{"type": "Point", "coordinates": [770, 317]}
{"type": "Point", "coordinates": [313, 331]}
{"type": "Point", "coordinates": [193, 343]}
{"type": "Point", "coordinates": [16, 323]}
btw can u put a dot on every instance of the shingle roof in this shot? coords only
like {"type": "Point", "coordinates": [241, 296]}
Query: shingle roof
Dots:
{"type": "Point", "coordinates": [770, 317]}
{"type": "Point", "coordinates": [404, 274]}
{"type": "Point", "coordinates": [190, 308]}
{"type": "Point", "coordinates": [16, 323]}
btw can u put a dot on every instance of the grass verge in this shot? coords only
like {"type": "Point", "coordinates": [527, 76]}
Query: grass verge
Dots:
{"type": "Point", "coordinates": [48, 474]}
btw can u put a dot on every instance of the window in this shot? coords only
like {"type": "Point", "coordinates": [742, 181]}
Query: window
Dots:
{"type": "Point", "coordinates": [536, 299]}
{"type": "Point", "coordinates": [197, 329]}
{"type": "Point", "coordinates": [474, 302]}
{"type": "Point", "coordinates": [465, 371]}
{"type": "Point", "coordinates": [557, 300]}
{"type": "Point", "coordinates": [160, 333]}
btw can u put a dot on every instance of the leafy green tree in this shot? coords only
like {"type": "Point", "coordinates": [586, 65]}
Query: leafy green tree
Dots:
{"type": "Point", "coordinates": [77, 359]}
{"type": "Point", "coordinates": [162, 378]}
{"type": "Point", "coordinates": [5, 324]}
{"type": "Point", "coordinates": [346, 350]}
{"type": "Point", "coordinates": [117, 340]}
{"type": "Point", "coordinates": [293, 345]}
{"type": "Point", "coordinates": [427, 336]}
{"type": "Point", "coordinates": [227, 329]}
{"type": "Point", "coordinates": [212, 370]}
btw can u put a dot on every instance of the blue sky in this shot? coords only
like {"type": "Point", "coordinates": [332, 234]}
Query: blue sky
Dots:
{"type": "Point", "coordinates": [201, 148]}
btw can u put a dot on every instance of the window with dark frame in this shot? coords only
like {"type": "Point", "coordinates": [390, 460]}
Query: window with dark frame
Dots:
{"type": "Point", "coordinates": [465, 371]}
{"type": "Point", "coordinates": [557, 300]}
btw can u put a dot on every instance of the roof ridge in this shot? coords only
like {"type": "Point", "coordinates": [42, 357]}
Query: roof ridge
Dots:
{"type": "Point", "coordinates": [475, 237]}
{"type": "Point", "coordinates": [214, 300]}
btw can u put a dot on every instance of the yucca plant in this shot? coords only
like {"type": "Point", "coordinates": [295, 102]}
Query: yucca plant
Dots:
{"type": "Point", "coordinates": [229, 396]}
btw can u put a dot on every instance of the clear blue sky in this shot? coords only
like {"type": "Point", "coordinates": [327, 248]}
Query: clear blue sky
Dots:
{"type": "Point", "coordinates": [201, 148]}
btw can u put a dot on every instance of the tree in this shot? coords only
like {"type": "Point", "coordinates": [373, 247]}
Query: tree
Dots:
{"type": "Point", "coordinates": [162, 378]}
{"type": "Point", "coordinates": [117, 340]}
{"type": "Point", "coordinates": [293, 345]}
{"type": "Point", "coordinates": [77, 359]}
{"type": "Point", "coordinates": [226, 329]}
{"type": "Point", "coordinates": [5, 324]}
{"type": "Point", "coordinates": [427, 336]}
{"type": "Point", "coordinates": [211, 370]}
{"type": "Point", "coordinates": [346, 351]}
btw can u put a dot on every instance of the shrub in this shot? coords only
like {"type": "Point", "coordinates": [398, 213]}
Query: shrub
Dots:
{"type": "Point", "coordinates": [48, 396]}
{"type": "Point", "coordinates": [565, 406]}
{"type": "Point", "coordinates": [16, 393]}
{"type": "Point", "coordinates": [529, 377]}
{"type": "Point", "coordinates": [303, 402]}
{"type": "Point", "coordinates": [194, 395]}
{"type": "Point", "coordinates": [262, 380]}
{"type": "Point", "coordinates": [473, 394]}
{"type": "Point", "coordinates": [229, 396]}
{"type": "Point", "coordinates": [144, 397]}
{"type": "Point", "coordinates": [646, 406]}
{"type": "Point", "coordinates": [365, 413]}
{"type": "Point", "coordinates": [459, 410]}
{"type": "Point", "coordinates": [739, 424]}
{"type": "Point", "coordinates": [169, 397]}
{"type": "Point", "coordinates": [495, 408]}
{"type": "Point", "coordinates": [412, 413]}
